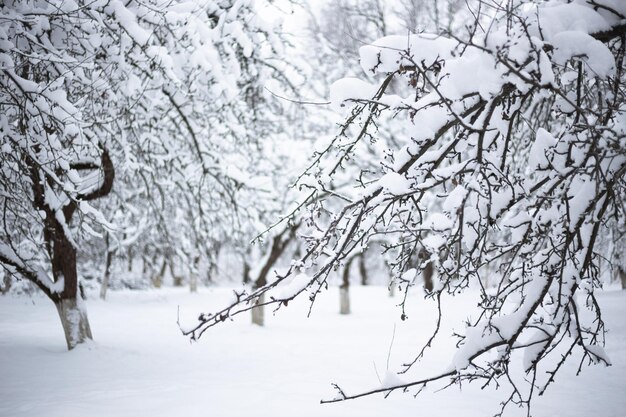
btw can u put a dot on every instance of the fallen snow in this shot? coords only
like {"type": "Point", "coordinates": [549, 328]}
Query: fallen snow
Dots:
{"type": "Point", "coordinates": [141, 365]}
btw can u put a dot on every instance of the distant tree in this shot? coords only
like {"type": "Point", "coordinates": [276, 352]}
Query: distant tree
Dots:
{"type": "Point", "coordinates": [511, 163]}
{"type": "Point", "coordinates": [265, 268]}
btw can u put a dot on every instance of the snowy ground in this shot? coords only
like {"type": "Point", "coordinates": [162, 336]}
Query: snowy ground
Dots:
{"type": "Point", "coordinates": [141, 365]}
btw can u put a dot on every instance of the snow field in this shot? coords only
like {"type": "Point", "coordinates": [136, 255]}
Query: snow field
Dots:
{"type": "Point", "coordinates": [141, 365]}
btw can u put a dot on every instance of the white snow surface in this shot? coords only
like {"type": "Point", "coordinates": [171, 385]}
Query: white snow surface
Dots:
{"type": "Point", "coordinates": [141, 365]}
{"type": "Point", "coordinates": [350, 89]}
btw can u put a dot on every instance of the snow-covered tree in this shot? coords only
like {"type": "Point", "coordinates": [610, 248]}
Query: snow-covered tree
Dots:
{"type": "Point", "coordinates": [338, 29]}
{"type": "Point", "coordinates": [164, 97]}
{"type": "Point", "coordinates": [510, 166]}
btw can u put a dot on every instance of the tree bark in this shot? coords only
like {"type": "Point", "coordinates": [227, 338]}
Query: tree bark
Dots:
{"type": "Point", "coordinates": [73, 315]}
{"type": "Point", "coordinates": [344, 300]}
{"type": "Point", "coordinates": [198, 267]}
{"type": "Point", "coordinates": [130, 259]}
{"type": "Point", "coordinates": [279, 244]}
{"type": "Point", "coordinates": [69, 304]}
{"type": "Point", "coordinates": [344, 289]}
{"type": "Point", "coordinates": [428, 277]}
{"type": "Point", "coordinates": [363, 270]}
{"type": "Point", "coordinates": [193, 282]}
{"type": "Point", "coordinates": [193, 275]}
{"type": "Point", "coordinates": [246, 272]}
{"type": "Point", "coordinates": [210, 272]}
{"type": "Point", "coordinates": [6, 283]}
{"type": "Point", "coordinates": [157, 280]}
{"type": "Point", "coordinates": [427, 270]}
{"type": "Point", "coordinates": [107, 270]}
{"type": "Point", "coordinates": [177, 279]}
{"type": "Point", "coordinates": [258, 313]}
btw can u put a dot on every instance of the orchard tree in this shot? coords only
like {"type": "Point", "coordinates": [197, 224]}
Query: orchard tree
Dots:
{"type": "Point", "coordinates": [337, 30]}
{"type": "Point", "coordinates": [200, 185]}
{"type": "Point", "coordinates": [158, 95]}
{"type": "Point", "coordinates": [269, 238]}
{"type": "Point", "coordinates": [511, 167]}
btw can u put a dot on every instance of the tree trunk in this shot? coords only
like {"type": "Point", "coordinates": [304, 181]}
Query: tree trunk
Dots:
{"type": "Point", "coordinates": [427, 271]}
{"type": "Point", "coordinates": [428, 277]}
{"type": "Point", "coordinates": [107, 270]}
{"type": "Point", "coordinates": [622, 276]}
{"type": "Point", "coordinates": [69, 303]}
{"type": "Point", "coordinates": [178, 280]}
{"type": "Point", "coordinates": [363, 270]}
{"type": "Point", "coordinates": [344, 300]}
{"type": "Point", "coordinates": [279, 243]}
{"type": "Point", "coordinates": [105, 280]}
{"type": "Point", "coordinates": [246, 272]}
{"type": "Point", "coordinates": [258, 314]}
{"type": "Point", "coordinates": [149, 264]}
{"type": "Point", "coordinates": [157, 280]}
{"type": "Point", "coordinates": [193, 275]}
{"type": "Point", "coordinates": [130, 259]}
{"type": "Point", "coordinates": [6, 283]}
{"type": "Point", "coordinates": [193, 282]}
{"type": "Point", "coordinates": [344, 289]}
{"type": "Point", "coordinates": [213, 262]}
{"type": "Point", "coordinates": [74, 320]}
{"type": "Point", "coordinates": [211, 271]}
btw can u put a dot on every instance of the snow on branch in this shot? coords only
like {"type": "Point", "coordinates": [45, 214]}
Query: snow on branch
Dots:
{"type": "Point", "coordinates": [507, 163]}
